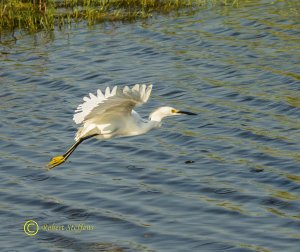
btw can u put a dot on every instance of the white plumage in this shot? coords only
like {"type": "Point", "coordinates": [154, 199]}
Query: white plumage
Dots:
{"type": "Point", "coordinates": [110, 114]}
{"type": "Point", "coordinates": [106, 113]}
{"type": "Point", "coordinates": [139, 94]}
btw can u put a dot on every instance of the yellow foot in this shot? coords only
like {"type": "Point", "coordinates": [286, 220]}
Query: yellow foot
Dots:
{"type": "Point", "coordinates": [56, 161]}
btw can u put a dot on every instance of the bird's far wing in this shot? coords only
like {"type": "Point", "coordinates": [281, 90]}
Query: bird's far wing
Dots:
{"type": "Point", "coordinates": [116, 102]}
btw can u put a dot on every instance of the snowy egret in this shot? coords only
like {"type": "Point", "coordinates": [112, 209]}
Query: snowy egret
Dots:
{"type": "Point", "coordinates": [111, 115]}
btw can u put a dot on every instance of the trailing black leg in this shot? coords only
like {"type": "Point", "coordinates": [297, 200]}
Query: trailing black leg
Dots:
{"type": "Point", "coordinates": [55, 161]}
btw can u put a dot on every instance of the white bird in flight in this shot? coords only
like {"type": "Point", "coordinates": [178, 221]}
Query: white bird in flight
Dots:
{"type": "Point", "coordinates": [111, 115]}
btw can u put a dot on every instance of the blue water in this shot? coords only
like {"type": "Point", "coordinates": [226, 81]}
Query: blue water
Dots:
{"type": "Point", "coordinates": [225, 180]}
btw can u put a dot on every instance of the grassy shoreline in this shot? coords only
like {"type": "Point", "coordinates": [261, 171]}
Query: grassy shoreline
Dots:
{"type": "Point", "coordinates": [34, 15]}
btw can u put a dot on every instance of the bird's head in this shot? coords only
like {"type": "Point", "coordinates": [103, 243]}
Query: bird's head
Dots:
{"type": "Point", "coordinates": [158, 114]}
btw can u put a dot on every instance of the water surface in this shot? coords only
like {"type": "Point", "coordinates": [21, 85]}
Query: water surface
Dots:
{"type": "Point", "coordinates": [225, 180]}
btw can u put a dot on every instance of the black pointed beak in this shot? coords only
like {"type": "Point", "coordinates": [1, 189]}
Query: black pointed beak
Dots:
{"type": "Point", "coordinates": [185, 112]}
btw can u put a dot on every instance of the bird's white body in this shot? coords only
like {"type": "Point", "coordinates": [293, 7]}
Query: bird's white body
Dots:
{"type": "Point", "coordinates": [111, 114]}
{"type": "Point", "coordinates": [121, 127]}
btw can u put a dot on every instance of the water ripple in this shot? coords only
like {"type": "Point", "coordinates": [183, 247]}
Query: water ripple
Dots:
{"type": "Point", "coordinates": [227, 179]}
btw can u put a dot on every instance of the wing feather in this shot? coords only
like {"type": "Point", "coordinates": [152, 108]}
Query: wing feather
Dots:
{"type": "Point", "coordinates": [107, 92]}
{"type": "Point", "coordinates": [126, 89]}
{"type": "Point", "coordinates": [136, 88]}
{"type": "Point", "coordinates": [100, 94]}
{"type": "Point", "coordinates": [115, 102]}
{"type": "Point", "coordinates": [114, 91]}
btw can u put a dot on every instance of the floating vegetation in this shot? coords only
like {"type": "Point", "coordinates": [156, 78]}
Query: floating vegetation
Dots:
{"type": "Point", "coordinates": [34, 15]}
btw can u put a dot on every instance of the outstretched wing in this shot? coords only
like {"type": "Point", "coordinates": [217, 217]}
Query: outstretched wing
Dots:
{"type": "Point", "coordinates": [117, 102]}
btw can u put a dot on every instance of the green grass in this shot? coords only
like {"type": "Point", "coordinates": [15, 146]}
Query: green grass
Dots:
{"type": "Point", "coordinates": [34, 15]}
{"type": "Point", "coordinates": [26, 14]}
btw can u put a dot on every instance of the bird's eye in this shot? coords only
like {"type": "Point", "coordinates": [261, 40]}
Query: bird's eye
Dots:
{"type": "Point", "coordinates": [173, 111]}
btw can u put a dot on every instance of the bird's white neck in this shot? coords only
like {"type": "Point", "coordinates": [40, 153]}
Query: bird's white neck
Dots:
{"type": "Point", "coordinates": [156, 116]}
